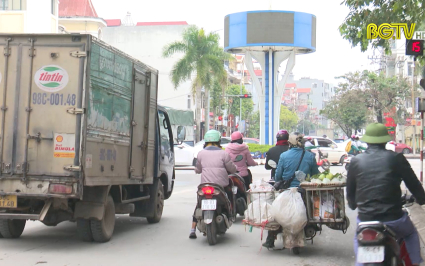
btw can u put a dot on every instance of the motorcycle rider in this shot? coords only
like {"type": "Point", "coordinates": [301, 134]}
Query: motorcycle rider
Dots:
{"type": "Point", "coordinates": [286, 167]}
{"type": "Point", "coordinates": [214, 165]}
{"type": "Point", "coordinates": [237, 147]}
{"type": "Point", "coordinates": [373, 186]}
{"type": "Point", "coordinates": [354, 148]}
{"type": "Point", "coordinates": [274, 153]}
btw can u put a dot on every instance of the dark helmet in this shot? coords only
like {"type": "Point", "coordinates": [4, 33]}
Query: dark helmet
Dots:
{"type": "Point", "coordinates": [282, 135]}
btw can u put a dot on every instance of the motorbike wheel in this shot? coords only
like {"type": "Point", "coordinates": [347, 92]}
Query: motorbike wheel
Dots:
{"type": "Point", "coordinates": [296, 250]}
{"type": "Point", "coordinates": [241, 206]}
{"type": "Point", "coordinates": [326, 165]}
{"type": "Point", "coordinates": [212, 232]}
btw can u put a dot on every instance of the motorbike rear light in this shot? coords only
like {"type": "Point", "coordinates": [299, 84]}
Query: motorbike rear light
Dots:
{"type": "Point", "coordinates": [370, 235]}
{"type": "Point", "coordinates": [60, 189]}
{"type": "Point", "coordinates": [208, 190]}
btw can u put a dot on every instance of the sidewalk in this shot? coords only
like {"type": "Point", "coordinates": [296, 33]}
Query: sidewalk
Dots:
{"type": "Point", "coordinates": [412, 156]}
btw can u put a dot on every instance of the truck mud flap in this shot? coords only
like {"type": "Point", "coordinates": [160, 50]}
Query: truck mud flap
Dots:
{"type": "Point", "coordinates": [89, 210]}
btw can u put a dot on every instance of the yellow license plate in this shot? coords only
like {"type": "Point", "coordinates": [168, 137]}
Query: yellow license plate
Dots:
{"type": "Point", "coordinates": [9, 201]}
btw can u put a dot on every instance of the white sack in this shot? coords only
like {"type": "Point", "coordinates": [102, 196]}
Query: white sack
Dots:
{"type": "Point", "coordinates": [289, 211]}
{"type": "Point", "coordinates": [258, 212]}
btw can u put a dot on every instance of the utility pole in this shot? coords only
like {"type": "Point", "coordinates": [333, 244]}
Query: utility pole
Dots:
{"type": "Point", "coordinates": [240, 99]}
{"type": "Point", "coordinates": [207, 113]}
{"type": "Point", "coordinates": [413, 105]}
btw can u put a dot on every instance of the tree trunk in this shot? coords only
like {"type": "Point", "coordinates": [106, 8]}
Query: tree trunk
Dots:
{"type": "Point", "coordinates": [198, 98]}
{"type": "Point", "coordinates": [379, 116]}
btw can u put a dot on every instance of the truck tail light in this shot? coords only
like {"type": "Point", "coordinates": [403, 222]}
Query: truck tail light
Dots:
{"type": "Point", "coordinates": [60, 189]}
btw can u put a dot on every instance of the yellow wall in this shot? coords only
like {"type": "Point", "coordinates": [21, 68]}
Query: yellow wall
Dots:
{"type": "Point", "coordinates": [80, 26]}
{"type": "Point", "coordinates": [54, 25]}
{"type": "Point", "coordinates": [12, 22]}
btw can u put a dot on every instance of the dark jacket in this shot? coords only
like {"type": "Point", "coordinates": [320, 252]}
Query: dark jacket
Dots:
{"type": "Point", "coordinates": [373, 184]}
{"type": "Point", "coordinates": [274, 154]}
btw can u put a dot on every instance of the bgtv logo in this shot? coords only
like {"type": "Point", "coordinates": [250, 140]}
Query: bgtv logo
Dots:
{"type": "Point", "coordinates": [51, 78]}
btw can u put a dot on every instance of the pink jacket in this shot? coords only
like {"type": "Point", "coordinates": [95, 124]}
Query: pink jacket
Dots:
{"type": "Point", "coordinates": [235, 149]}
{"type": "Point", "coordinates": [214, 165]}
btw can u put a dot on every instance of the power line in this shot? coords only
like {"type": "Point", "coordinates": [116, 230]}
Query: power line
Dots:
{"type": "Point", "coordinates": [174, 97]}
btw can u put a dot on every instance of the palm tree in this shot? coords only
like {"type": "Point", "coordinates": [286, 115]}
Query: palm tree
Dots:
{"type": "Point", "coordinates": [204, 58]}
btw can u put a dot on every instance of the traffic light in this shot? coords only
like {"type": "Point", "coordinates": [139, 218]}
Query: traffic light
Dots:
{"type": "Point", "coordinates": [414, 47]}
{"type": "Point", "coordinates": [245, 96]}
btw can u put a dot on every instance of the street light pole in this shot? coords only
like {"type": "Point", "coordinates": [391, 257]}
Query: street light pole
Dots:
{"type": "Point", "coordinates": [240, 99]}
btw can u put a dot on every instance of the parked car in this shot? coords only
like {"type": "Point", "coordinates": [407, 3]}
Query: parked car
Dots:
{"type": "Point", "coordinates": [251, 140]}
{"type": "Point", "coordinates": [184, 154]}
{"type": "Point", "coordinates": [403, 148]}
{"type": "Point", "coordinates": [336, 153]}
{"type": "Point", "coordinates": [199, 146]}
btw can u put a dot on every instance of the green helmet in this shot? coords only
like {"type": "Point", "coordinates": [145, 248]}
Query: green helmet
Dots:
{"type": "Point", "coordinates": [212, 136]}
{"type": "Point", "coordinates": [376, 133]}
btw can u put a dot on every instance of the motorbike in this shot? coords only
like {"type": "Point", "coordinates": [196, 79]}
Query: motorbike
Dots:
{"type": "Point", "coordinates": [323, 161]}
{"type": "Point", "coordinates": [215, 213]}
{"type": "Point", "coordinates": [378, 244]}
{"type": "Point", "coordinates": [241, 187]}
{"type": "Point", "coordinates": [347, 161]}
{"type": "Point", "coordinates": [311, 229]}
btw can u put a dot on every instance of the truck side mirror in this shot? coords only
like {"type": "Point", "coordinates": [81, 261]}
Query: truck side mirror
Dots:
{"type": "Point", "coordinates": [181, 133]}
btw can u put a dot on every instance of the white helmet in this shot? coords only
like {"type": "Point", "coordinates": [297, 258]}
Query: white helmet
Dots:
{"type": "Point", "coordinates": [296, 139]}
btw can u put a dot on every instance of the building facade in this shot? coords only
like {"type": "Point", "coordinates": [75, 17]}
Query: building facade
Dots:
{"type": "Point", "coordinates": [79, 16]}
{"type": "Point", "coordinates": [29, 16]}
{"type": "Point", "coordinates": [146, 41]}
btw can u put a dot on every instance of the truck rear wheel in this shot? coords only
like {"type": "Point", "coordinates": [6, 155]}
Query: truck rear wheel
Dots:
{"type": "Point", "coordinates": [12, 228]}
{"type": "Point", "coordinates": [158, 201]}
{"type": "Point", "coordinates": [102, 230]}
{"type": "Point", "coordinates": [84, 230]}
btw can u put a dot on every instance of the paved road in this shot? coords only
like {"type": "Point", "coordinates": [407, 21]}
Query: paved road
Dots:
{"type": "Point", "coordinates": [136, 242]}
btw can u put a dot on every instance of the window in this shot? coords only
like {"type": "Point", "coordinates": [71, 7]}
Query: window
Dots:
{"type": "Point", "coordinates": [165, 136]}
{"type": "Point", "coordinates": [4, 4]}
{"type": "Point", "coordinates": [324, 143]}
{"type": "Point", "coordinates": [225, 141]}
{"type": "Point", "coordinates": [188, 101]}
{"type": "Point", "coordinates": [53, 7]}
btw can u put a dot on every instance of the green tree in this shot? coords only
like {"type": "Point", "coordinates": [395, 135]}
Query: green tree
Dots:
{"type": "Point", "coordinates": [233, 105]}
{"type": "Point", "coordinates": [217, 100]}
{"type": "Point", "coordinates": [305, 126]}
{"type": "Point", "coordinates": [203, 58]}
{"type": "Point", "coordinates": [288, 119]}
{"type": "Point", "coordinates": [378, 93]}
{"type": "Point", "coordinates": [254, 125]}
{"type": "Point", "coordinates": [347, 110]}
{"type": "Point", "coordinates": [364, 12]}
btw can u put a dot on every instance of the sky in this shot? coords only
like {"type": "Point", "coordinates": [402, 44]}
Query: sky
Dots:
{"type": "Point", "coordinates": [334, 56]}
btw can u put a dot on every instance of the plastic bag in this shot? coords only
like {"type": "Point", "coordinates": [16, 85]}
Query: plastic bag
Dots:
{"type": "Point", "coordinates": [267, 191]}
{"type": "Point", "coordinates": [300, 175]}
{"type": "Point", "coordinates": [289, 211]}
{"type": "Point", "coordinates": [258, 212]}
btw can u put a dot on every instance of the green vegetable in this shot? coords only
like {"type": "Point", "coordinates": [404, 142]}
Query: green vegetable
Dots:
{"type": "Point", "coordinates": [329, 176]}
{"type": "Point", "coordinates": [322, 176]}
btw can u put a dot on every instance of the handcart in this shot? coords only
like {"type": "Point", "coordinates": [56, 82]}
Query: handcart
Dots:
{"type": "Point", "coordinates": [258, 212]}
{"type": "Point", "coordinates": [325, 205]}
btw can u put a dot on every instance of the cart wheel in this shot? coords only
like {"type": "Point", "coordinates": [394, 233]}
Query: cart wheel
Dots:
{"type": "Point", "coordinates": [296, 250]}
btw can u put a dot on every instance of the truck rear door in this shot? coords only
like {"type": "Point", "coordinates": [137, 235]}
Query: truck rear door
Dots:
{"type": "Point", "coordinates": [41, 82]}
